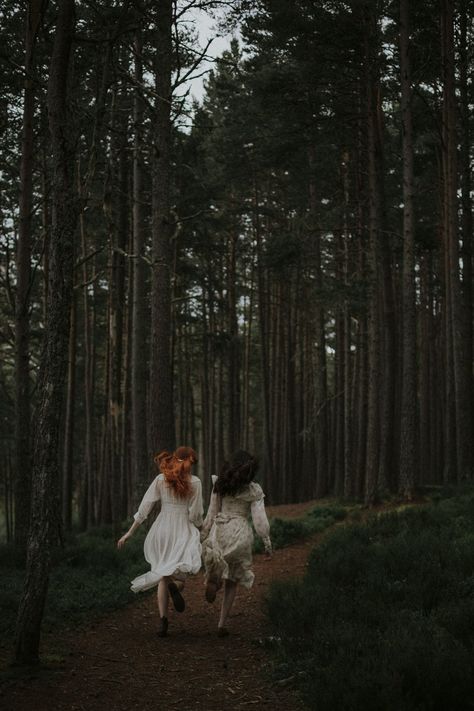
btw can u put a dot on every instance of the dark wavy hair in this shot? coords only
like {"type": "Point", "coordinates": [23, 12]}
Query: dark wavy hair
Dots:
{"type": "Point", "coordinates": [236, 474]}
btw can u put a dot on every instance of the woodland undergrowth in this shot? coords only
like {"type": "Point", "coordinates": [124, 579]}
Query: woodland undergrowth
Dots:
{"type": "Point", "coordinates": [384, 617]}
{"type": "Point", "coordinates": [90, 577]}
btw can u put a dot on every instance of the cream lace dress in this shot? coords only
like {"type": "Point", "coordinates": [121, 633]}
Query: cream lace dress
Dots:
{"type": "Point", "coordinates": [228, 537]}
{"type": "Point", "coordinates": [172, 545]}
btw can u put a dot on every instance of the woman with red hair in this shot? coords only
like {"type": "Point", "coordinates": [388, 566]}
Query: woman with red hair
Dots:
{"type": "Point", "coordinates": [172, 546]}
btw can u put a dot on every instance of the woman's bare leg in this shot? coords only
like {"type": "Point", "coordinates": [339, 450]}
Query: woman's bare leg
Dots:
{"type": "Point", "coordinates": [163, 596]}
{"type": "Point", "coordinates": [230, 588]}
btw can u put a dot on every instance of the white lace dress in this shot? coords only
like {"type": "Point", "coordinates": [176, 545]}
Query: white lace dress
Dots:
{"type": "Point", "coordinates": [172, 545]}
{"type": "Point", "coordinates": [228, 537]}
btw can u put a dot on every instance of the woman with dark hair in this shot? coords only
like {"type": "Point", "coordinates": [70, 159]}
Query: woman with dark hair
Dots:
{"type": "Point", "coordinates": [172, 545]}
{"type": "Point", "coordinates": [227, 535]}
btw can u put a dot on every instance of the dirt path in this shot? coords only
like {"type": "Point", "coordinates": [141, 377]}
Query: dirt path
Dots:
{"type": "Point", "coordinates": [119, 663]}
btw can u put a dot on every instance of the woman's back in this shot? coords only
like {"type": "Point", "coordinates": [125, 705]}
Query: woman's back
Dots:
{"type": "Point", "coordinates": [240, 503]}
{"type": "Point", "coordinates": [169, 496]}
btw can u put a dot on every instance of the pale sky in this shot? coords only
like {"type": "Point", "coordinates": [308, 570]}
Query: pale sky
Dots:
{"type": "Point", "coordinates": [206, 28]}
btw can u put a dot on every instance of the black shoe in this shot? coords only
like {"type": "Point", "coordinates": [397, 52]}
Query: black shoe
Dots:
{"type": "Point", "coordinates": [222, 632]}
{"type": "Point", "coordinates": [178, 599]}
{"type": "Point", "coordinates": [163, 631]}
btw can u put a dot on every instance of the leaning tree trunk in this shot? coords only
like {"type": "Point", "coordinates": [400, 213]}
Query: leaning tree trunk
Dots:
{"type": "Point", "coordinates": [408, 434]}
{"type": "Point", "coordinates": [161, 415]}
{"type": "Point", "coordinates": [23, 265]}
{"type": "Point", "coordinates": [45, 516]}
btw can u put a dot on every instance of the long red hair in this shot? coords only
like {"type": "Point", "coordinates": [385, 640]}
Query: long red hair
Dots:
{"type": "Point", "coordinates": [176, 468]}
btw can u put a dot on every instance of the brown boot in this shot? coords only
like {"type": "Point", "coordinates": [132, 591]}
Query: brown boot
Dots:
{"type": "Point", "coordinates": [177, 598]}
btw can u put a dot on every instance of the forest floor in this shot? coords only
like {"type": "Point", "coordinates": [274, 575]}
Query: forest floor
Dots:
{"type": "Point", "coordinates": [119, 663]}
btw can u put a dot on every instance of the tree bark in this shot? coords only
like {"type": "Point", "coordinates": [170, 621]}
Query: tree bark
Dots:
{"type": "Point", "coordinates": [321, 398]}
{"type": "Point", "coordinates": [68, 459]}
{"type": "Point", "coordinates": [34, 14]}
{"type": "Point", "coordinates": [458, 331]}
{"type": "Point", "coordinates": [161, 412]}
{"type": "Point", "coordinates": [45, 518]}
{"type": "Point", "coordinates": [409, 420]}
{"type": "Point", "coordinates": [373, 269]}
{"type": "Point", "coordinates": [140, 466]}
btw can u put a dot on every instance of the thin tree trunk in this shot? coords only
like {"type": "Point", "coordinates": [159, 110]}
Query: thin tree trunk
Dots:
{"type": "Point", "coordinates": [459, 332]}
{"type": "Point", "coordinates": [234, 354]}
{"type": "Point", "coordinates": [263, 332]}
{"type": "Point", "coordinates": [373, 324]}
{"type": "Point", "coordinates": [321, 399]}
{"type": "Point", "coordinates": [465, 53]}
{"type": "Point", "coordinates": [409, 420]}
{"type": "Point", "coordinates": [68, 460]}
{"type": "Point", "coordinates": [87, 515]}
{"type": "Point", "coordinates": [140, 466]}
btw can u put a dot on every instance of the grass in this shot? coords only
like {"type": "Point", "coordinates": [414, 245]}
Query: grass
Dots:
{"type": "Point", "coordinates": [384, 618]}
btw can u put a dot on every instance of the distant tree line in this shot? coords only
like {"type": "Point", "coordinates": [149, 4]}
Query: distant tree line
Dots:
{"type": "Point", "coordinates": [285, 267]}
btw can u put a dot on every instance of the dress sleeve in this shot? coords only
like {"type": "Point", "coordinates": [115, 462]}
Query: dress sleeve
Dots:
{"type": "Point", "coordinates": [195, 504]}
{"type": "Point", "coordinates": [260, 521]}
{"type": "Point", "coordinates": [152, 495]}
{"type": "Point", "coordinates": [211, 511]}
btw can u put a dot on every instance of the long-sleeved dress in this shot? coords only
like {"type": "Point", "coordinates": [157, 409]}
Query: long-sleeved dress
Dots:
{"type": "Point", "coordinates": [172, 545]}
{"type": "Point", "coordinates": [228, 537]}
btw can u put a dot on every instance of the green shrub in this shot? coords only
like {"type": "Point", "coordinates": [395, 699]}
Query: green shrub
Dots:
{"type": "Point", "coordinates": [89, 577]}
{"type": "Point", "coordinates": [384, 618]}
{"type": "Point", "coordinates": [286, 531]}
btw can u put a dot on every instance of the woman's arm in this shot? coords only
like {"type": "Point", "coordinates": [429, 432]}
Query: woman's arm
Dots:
{"type": "Point", "coordinates": [211, 511]}
{"type": "Point", "coordinates": [152, 495]}
{"type": "Point", "coordinates": [260, 522]}
{"type": "Point", "coordinates": [121, 542]}
{"type": "Point", "coordinates": [195, 507]}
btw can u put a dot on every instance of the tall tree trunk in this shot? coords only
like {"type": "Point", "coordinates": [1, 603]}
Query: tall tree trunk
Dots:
{"type": "Point", "coordinates": [45, 518]}
{"type": "Point", "coordinates": [161, 414]}
{"type": "Point", "coordinates": [68, 459]}
{"type": "Point", "coordinates": [409, 423]}
{"type": "Point", "coordinates": [348, 468]}
{"type": "Point", "coordinates": [263, 332]}
{"type": "Point", "coordinates": [140, 465]}
{"type": "Point", "coordinates": [34, 14]}
{"type": "Point", "coordinates": [234, 349]}
{"type": "Point", "coordinates": [373, 269]}
{"type": "Point", "coordinates": [118, 244]}
{"type": "Point", "coordinates": [321, 398]}
{"type": "Point", "coordinates": [387, 318]}
{"type": "Point", "coordinates": [459, 332]}
{"type": "Point", "coordinates": [87, 512]}
{"type": "Point", "coordinates": [466, 181]}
